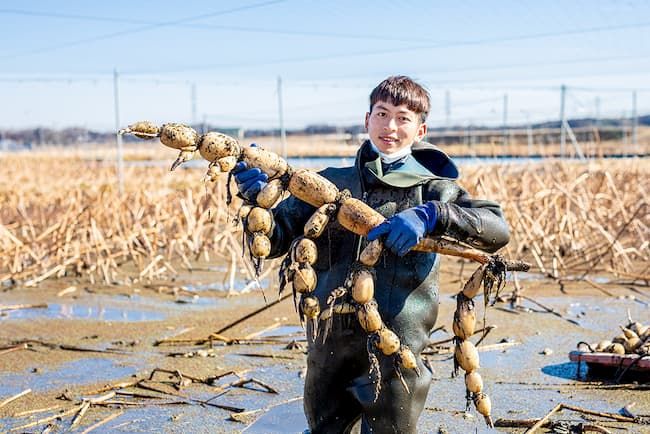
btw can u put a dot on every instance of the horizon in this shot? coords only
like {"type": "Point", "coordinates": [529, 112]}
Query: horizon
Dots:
{"type": "Point", "coordinates": [451, 129]}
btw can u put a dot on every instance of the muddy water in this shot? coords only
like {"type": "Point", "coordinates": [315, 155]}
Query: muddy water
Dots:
{"type": "Point", "coordinates": [521, 380]}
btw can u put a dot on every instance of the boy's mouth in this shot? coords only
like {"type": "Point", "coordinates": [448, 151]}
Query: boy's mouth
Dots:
{"type": "Point", "coordinates": [387, 139]}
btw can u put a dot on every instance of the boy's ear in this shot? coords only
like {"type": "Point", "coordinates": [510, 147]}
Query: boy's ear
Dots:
{"type": "Point", "coordinates": [422, 131]}
{"type": "Point", "coordinates": [366, 121]}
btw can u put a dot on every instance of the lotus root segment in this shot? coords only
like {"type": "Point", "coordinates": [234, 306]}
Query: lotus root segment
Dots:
{"type": "Point", "coordinates": [226, 164]}
{"type": "Point", "coordinates": [213, 172]}
{"type": "Point", "coordinates": [363, 286]}
{"type": "Point", "coordinates": [268, 162]}
{"type": "Point", "coordinates": [260, 245]}
{"type": "Point", "coordinates": [634, 339]}
{"type": "Point", "coordinates": [214, 146]}
{"type": "Point", "coordinates": [357, 217]}
{"type": "Point", "coordinates": [602, 345]}
{"type": "Point", "coordinates": [304, 250]}
{"type": "Point", "coordinates": [466, 356]}
{"type": "Point", "coordinates": [387, 341]}
{"type": "Point", "coordinates": [269, 195]}
{"type": "Point", "coordinates": [318, 221]}
{"type": "Point", "coordinates": [312, 188]}
{"type": "Point", "coordinates": [616, 348]}
{"type": "Point", "coordinates": [179, 136]}
{"type": "Point", "coordinates": [243, 212]}
{"type": "Point", "coordinates": [473, 285]}
{"type": "Point", "coordinates": [473, 382]}
{"type": "Point", "coordinates": [144, 130]}
{"type": "Point", "coordinates": [304, 278]}
{"type": "Point", "coordinates": [310, 307]}
{"type": "Point", "coordinates": [484, 406]}
{"type": "Point", "coordinates": [407, 360]}
{"type": "Point", "coordinates": [371, 253]}
{"type": "Point", "coordinates": [259, 220]}
{"type": "Point", "coordinates": [464, 318]}
{"type": "Point", "coordinates": [369, 317]}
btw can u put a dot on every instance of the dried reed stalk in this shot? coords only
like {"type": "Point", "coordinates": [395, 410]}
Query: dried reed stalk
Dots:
{"type": "Point", "coordinates": [567, 218]}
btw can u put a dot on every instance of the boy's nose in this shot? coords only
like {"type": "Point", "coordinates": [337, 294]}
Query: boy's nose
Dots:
{"type": "Point", "coordinates": [391, 125]}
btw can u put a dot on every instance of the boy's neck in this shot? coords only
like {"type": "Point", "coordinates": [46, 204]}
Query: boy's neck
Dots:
{"type": "Point", "coordinates": [391, 158]}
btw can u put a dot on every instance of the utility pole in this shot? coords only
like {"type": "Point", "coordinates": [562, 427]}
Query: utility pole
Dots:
{"type": "Point", "coordinates": [193, 97]}
{"type": "Point", "coordinates": [597, 115]}
{"type": "Point", "coordinates": [505, 119]}
{"type": "Point", "coordinates": [562, 121]}
{"type": "Point", "coordinates": [529, 134]}
{"type": "Point", "coordinates": [283, 134]}
{"type": "Point", "coordinates": [635, 119]}
{"type": "Point", "coordinates": [118, 136]}
{"type": "Point", "coordinates": [447, 109]}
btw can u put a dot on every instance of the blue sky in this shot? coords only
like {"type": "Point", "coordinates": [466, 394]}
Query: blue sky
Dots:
{"type": "Point", "coordinates": [57, 59]}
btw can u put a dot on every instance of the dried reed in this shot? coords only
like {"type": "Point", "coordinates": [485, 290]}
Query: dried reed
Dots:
{"type": "Point", "coordinates": [62, 215]}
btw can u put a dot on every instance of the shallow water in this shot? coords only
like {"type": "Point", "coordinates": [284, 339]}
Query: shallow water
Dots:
{"type": "Point", "coordinates": [285, 418]}
{"type": "Point", "coordinates": [87, 312]}
{"type": "Point", "coordinates": [521, 381]}
{"type": "Point", "coordinates": [115, 308]}
{"type": "Point", "coordinates": [240, 285]}
{"type": "Point", "coordinates": [286, 331]}
{"type": "Point", "coordinates": [67, 375]}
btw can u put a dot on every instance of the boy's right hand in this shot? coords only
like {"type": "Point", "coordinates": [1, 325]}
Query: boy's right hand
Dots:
{"type": "Point", "coordinates": [249, 181]}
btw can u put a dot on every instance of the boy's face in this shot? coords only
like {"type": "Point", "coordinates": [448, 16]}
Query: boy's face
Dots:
{"type": "Point", "coordinates": [392, 128]}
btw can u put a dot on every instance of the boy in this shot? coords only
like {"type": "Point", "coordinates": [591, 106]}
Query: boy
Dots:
{"type": "Point", "coordinates": [412, 184]}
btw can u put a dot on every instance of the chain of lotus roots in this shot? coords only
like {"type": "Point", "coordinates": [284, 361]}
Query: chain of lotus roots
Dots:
{"type": "Point", "coordinates": [356, 295]}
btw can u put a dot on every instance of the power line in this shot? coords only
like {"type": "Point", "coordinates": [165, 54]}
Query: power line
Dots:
{"type": "Point", "coordinates": [502, 67]}
{"type": "Point", "coordinates": [315, 85]}
{"type": "Point", "coordinates": [140, 29]}
{"type": "Point", "coordinates": [205, 26]}
{"type": "Point", "coordinates": [371, 53]}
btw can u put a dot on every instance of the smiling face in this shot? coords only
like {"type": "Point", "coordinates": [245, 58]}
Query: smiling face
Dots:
{"type": "Point", "coordinates": [392, 128]}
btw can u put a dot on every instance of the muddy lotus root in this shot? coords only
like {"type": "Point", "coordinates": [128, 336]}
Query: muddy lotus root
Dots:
{"type": "Point", "coordinates": [473, 382]}
{"type": "Point", "coordinates": [270, 194]}
{"type": "Point", "coordinates": [369, 317]}
{"type": "Point", "coordinates": [214, 146]}
{"type": "Point", "coordinates": [318, 221]}
{"type": "Point", "coordinates": [473, 285]}
{"type": "Point", "coordinates": [464, 318]}
{"type": "Point", "coordinates": [304, 278]}
{"type": "Point", "coordinates": [179, 136]}
{"type": "Point", "coordinates": [310, 307]}
{"type": "Point", "coordinates": [371, 253]}
{"type": "Point", "coordinates": [357, 217]}
{"type": "Point", "coordinates": [363, 286]}
{"type": "Point", "coordinates": [143, 130]}
{"type": "Point", "coordinates": [312, 188]}
{"type": "Point", "coordinates": [387, 341]}
{"type": "Point", "coordinates": [268, 162]}
{"type": "Point", "coordinates": [260, 245]}
{"type": "Point", "coordinates": [305, 251]}
{"type": "Point", "coordinates": [259, 220]}
{"type": "Point", "coordinates": [466, 356]}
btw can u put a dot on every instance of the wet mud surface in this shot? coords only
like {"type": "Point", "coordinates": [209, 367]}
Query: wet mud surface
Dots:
{"type": "Point", "coordinates": [94, 337]}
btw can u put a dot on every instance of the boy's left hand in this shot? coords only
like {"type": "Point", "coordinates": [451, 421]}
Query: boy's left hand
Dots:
{"type": "Point", "coordinates": [405, 229]}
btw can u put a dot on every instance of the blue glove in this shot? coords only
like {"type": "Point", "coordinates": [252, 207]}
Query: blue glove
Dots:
{"type": "Point", "coordinates": [405, 229]}
{"type": "Point", "coordinates": [249, 181]}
